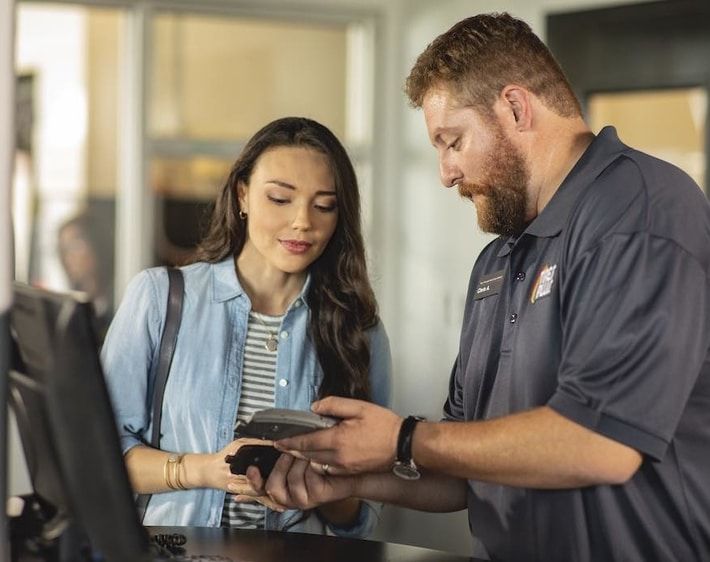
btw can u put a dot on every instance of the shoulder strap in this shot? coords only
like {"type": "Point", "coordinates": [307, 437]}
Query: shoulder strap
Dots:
{"type": "Point", "coordinates": [167, 347]}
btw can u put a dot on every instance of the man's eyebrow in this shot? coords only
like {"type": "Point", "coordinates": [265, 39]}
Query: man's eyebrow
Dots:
{"type": "Point", "coordinates": [292, 187]}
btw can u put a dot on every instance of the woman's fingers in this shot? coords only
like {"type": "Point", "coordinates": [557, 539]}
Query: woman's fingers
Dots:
{"type": "Point", "coordinates": [263, 500]}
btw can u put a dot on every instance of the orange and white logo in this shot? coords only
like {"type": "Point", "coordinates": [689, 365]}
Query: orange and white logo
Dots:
{"type": "Point", "coordinates": [543, 284]}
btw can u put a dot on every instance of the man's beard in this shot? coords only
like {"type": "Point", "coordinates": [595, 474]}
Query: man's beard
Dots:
{"type": "Point", "coordinates": [501, 201]}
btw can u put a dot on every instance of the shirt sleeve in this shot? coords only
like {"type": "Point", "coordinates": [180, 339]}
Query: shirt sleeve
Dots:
{"type": "Point", "coordinates": [367, 519]}
{"type": "Point", "coordinates": [127, 357]}
{"type": "Point", "coordinates": [311, 522]}
{"type": "Point", "coordinates": [453, 407]}
{"type": "Point", "coordinates": [634, 313]}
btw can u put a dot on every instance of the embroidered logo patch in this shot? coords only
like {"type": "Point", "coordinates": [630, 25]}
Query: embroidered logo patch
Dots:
{"type": "Point", "coordinates": [543, 283]}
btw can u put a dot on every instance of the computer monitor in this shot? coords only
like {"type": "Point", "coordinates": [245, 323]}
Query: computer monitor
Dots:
{"type": "Point", "coordinates": [66, 423]}
{"type": "Point", "coordinates": [27, 397]}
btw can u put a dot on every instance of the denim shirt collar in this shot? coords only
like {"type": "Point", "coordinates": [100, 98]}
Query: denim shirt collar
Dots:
{"type": "Point", "coordinates": [226, 285]}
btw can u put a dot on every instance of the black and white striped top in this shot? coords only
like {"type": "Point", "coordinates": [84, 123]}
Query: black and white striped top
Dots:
{"type": "Point", "coordinates": [257, 393]}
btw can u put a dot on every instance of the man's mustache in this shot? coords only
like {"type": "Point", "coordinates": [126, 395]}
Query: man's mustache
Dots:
{"type": "Point", "coordinates": [468, 190]}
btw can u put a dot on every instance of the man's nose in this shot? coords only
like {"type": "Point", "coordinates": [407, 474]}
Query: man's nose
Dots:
{"type": "Point", "coordinates": [449, 172]}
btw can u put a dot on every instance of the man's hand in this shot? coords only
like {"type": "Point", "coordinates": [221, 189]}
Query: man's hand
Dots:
{"type": "Point", "coordinates": [299, 484]}
{"type": "Point", "coordinates": [364, 441]}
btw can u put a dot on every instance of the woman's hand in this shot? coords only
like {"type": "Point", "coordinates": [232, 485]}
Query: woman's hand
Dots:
{"type": "Point", "coordinates": [212, 471]}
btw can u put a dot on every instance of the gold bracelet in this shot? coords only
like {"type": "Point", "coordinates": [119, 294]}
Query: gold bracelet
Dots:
{"type": "Point", "coordinates": [171, 460]}
{"type": "Point", "coordinates": [178, 464]}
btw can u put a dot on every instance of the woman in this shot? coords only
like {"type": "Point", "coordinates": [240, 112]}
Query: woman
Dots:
{"type": "Point", "coordinates": [278, 311]}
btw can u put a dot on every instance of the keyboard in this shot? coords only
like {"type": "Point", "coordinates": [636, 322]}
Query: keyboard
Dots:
{"type": "Point", "coordinates": [169, 548]}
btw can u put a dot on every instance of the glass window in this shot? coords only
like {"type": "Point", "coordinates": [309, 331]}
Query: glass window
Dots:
{"type": "Point", "coordinates": [224, 78]}
{"type": "Point", "coordinates": [669, 124]}
{"type": "Point", "coordinates": [66, 164]}
{"type": "Point", "coordinates": [211, 82]}
{"type": "Point", "coordinates": [215, 82]}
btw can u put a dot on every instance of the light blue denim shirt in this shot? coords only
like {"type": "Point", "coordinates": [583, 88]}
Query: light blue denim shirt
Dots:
{"type": "Point", "coordinates": [202, 392]}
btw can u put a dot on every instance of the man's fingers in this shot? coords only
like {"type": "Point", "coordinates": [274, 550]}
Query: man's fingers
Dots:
{"type": "Point", "coordinates": [296, 483]}
{"type": "Point", "coordinates": [294, 453]}
{"type": "Point", "coordinates": [276, 486]}
{"type": "Point", "coordinates": [307, 444]}
{"type": "Point", "coordinates": [338, 407]}
{"type": "Point", "coordinates": [255, 479]}
{"type": "Point", "coordinates": [326, 469]}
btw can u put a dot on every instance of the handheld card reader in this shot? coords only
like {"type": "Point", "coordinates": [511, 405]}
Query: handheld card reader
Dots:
{"type": "Point", "coordinates": [279, 423]}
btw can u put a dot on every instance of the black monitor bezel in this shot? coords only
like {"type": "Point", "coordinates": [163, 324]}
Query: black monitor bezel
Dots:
{"type": "Point", "coordinates": [82, 425]}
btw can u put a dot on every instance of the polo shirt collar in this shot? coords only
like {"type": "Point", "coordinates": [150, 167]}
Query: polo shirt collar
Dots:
{"type": "Point", "coordinates": [604, 149]}
{"type": "Point", "coordinates": [226, 285]}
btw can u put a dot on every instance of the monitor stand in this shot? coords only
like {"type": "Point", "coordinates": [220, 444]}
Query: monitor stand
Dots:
{"type": "Point", "coordinates": [40, 534]}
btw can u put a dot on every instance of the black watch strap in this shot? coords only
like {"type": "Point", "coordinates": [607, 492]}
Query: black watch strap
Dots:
{"type": "Point", "coordinates": [404, 466]}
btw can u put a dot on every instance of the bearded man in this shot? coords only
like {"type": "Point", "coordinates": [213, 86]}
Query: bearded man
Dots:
{"type": "Point", "coordinates": [577, 425]}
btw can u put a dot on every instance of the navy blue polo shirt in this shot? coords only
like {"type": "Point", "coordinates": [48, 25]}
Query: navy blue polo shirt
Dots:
{"type": "Point", "coordinates": [601, 311]}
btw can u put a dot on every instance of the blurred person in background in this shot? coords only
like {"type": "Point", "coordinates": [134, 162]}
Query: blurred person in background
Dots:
{"type": "Point", "coordinates": [85, 247]}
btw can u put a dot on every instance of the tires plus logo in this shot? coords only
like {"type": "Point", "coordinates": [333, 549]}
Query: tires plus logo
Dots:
{"type": "Point", "coordinates": [543, 283]}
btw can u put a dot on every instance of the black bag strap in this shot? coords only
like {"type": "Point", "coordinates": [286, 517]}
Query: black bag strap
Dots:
{"type": "Point", "coordinates": [173, 315]}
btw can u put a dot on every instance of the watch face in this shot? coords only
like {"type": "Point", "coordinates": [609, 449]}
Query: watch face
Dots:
{"type": "Point", "coordinates": [406, 471]}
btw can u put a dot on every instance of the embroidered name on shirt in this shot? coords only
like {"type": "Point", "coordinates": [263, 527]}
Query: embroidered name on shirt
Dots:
{"type": "Point", "coordinates": [489, 285]}
{"type": "Point", "coordinates": [543, 283]}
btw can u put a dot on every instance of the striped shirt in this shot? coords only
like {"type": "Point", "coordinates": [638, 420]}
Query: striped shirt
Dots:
{"type": "Point", "coordinates": [257, 393]}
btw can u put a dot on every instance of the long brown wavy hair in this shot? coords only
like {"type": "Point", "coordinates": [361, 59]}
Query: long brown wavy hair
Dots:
{"type": "Point", "coordinates": [341, 300]}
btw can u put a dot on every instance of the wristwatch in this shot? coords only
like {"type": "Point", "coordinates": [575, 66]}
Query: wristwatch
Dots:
{"type": "Point", "coordinates": [404, 466]}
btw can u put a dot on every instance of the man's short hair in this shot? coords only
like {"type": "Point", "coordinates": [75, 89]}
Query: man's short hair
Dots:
{"type": "Point", "coordinates": [481, 55]}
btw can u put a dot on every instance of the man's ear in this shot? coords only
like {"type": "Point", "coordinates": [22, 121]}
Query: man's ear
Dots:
{"type": "Point", "coordinates": [517, 104]}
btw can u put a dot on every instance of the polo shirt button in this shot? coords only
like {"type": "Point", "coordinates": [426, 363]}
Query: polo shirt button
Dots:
{"type": "Point", "coordinates": [284, 335]}
{"type": "Point", "coordinates": [283, 382]}
{"type": "Point", "coordinates": [520, 276]}
{"type": "Point", "coordinates": [513, 318]}
{"type": "Point", "coordinates": [297, 304]}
